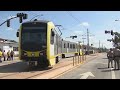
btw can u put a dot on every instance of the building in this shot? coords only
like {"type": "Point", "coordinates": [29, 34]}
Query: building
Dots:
{"type": "Point", "coordinates": [7, 45]}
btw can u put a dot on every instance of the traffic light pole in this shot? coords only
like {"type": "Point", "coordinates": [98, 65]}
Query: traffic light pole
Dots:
{"type": "Point", "coordinates": [88, 41]}
{"type": "Point", "coordinates": [7, 20]}
{"type": "Point", "coordinates": [19, 15]}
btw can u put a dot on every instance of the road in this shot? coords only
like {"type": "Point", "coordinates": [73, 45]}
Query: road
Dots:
{"type": "Point", "coordinates": [19, 70]}
{"type": "Point", "coordinates": [94, 69]}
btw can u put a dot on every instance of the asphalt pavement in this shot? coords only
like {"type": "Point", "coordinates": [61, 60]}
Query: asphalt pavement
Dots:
{"type": "Point", "coordinates": [94, 69]}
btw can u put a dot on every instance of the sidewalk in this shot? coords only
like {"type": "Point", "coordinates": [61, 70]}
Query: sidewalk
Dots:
{"type": "Point", "coordinates": [16, 59]}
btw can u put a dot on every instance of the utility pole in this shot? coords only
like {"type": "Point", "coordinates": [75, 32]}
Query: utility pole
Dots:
{"type": "Point", "coordinates": [99, 45]}
{"type": "Point", "coordinates": [83, 40]}
{"type": "Point", "coordinates": [88, 41]}
{"type": "Point", "coordinates": [102, 47]}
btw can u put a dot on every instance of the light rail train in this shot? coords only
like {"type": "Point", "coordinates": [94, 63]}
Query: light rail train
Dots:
{"type": "Point", "coordinates": [39, 43]}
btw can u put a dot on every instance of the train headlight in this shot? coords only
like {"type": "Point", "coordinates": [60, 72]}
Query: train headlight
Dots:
{"type": "Point", "coordinates": [33, 54]}
{"type": "Point", "coordinates": [40, 53]}
{"type": "Point", "coordinates": [25, 54]}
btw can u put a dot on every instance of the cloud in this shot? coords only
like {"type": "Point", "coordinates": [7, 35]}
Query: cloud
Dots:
{"type": "Point", "coordinates": [10, 29]}
{"type": "Point", "coordinates": [85, 24]}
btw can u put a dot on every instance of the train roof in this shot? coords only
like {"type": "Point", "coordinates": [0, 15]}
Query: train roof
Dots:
{"type": "Point", "coordinates": [41, 21]}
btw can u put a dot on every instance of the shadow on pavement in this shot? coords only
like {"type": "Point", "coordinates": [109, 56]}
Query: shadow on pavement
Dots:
{"type": "Point", "coordinates": [109, 70]}
{"type": "Point", "coordinates": [104, 58]}
{"type": "Point", "coordinates": [106, 70]}
{"type": "Point", "coordinates": [92, 55]}
{"type": "Point", "coordinates": [20, 67]}
{"type": "Point", "coordinates": [103, 68]}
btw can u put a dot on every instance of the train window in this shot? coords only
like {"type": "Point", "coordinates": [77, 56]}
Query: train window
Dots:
{"type": "Point", "coordinates": [52, 36]}
{"type": "Point", "coordinates": [68, 45]}
{"type": "Point", "coordinates": [64, 45]}
{"type": "Point", "coordinates": [73, 46]}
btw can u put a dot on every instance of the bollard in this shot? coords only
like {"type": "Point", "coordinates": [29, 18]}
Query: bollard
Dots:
{"type": "Point", "coordinates": [78, 59]}
{"type": "Point", "coordinates": [82, 58]}
{"type": "Point", "coordinates": [75, 60]}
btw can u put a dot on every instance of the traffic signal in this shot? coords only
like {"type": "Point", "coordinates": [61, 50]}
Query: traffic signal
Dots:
{"type": "Point", "coordinates": [110, 40]}
{"type": "Point", "coordinates": [73, 37]}
{"type": "Point", "coordinates": [107, 31]}
{"type": "Point", "coordinates": [22, 16]}
{"type": "Point", "coordinates": [112, 33]}
{"type": "Point", "coordinates": [25, 16]}
{"type": "Point", "coordinates": [8, 23]}
{"type": "Point", "coordinates": [116, 39]}
{"type": "Point", "coordinates": [20, 19]}
{"type": "Point", "coordinates": [18, 14]}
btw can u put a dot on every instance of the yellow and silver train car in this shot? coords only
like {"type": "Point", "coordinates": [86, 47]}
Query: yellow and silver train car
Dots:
{"type": "Point", "coordinates": [40, 43]}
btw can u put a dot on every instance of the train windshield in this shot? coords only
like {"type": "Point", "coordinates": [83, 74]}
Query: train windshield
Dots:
{"type": "Point", "coordinates": [33, 38]}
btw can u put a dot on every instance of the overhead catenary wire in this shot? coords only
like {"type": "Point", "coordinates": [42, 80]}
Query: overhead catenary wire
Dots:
{"type": "Point", "coordinates": [76, 19]}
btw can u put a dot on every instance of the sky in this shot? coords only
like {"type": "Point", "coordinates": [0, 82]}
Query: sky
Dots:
{"type": "Point", "coordinates": [73, 22]}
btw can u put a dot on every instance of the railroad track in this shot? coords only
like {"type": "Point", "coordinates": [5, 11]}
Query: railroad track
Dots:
{"type": "Point", "coordinates": [59, 68]}
{"type": "Point", "coordinates": [46, 71]}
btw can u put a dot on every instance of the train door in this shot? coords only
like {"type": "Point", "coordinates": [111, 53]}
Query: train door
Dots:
{"type": "Point", "coordinates": [52, 53]}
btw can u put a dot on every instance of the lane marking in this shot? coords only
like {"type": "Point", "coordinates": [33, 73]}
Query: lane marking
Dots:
{"type": "Point", "coordinates": [113, 73]}
{"type": "Point", "coordinates": [85, 75]}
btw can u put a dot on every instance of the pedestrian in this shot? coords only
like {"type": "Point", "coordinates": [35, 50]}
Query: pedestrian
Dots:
{"type": "Point", "coordinates": [11, 54]}
{"type": "Point", "coordinates": [4, 55]}
{"type": "Point", "coordinates": [116, 53]}
{"type": "Point", "coordinates": [0, 55]}
{"type": "Point", "coordinates": [8, 55]}
{"type": "Point", "coordinates": [110, 57]}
